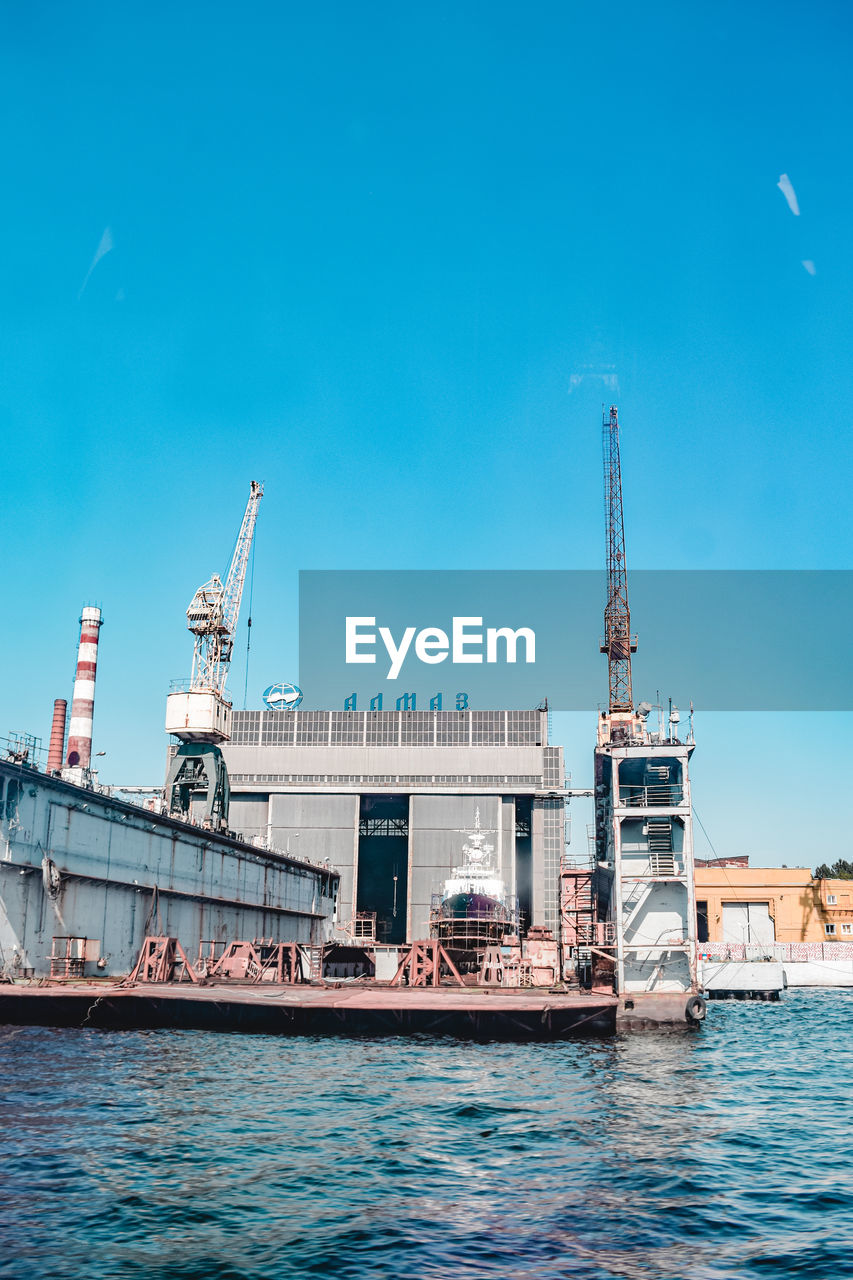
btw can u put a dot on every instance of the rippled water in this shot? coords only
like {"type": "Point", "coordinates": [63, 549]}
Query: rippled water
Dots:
{"type": "Point", "coordinates": [709, 1154]}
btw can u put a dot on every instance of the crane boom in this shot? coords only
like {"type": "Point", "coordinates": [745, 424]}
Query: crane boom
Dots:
{"type": "Point", "coordinates": [618, 644]}
{"type": "Point", "coordinates": [236, 579]}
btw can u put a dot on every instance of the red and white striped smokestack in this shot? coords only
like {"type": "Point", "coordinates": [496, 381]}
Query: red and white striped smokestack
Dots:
{"type": "Point", "coordinates": [57, 736]}
{"type": "Point", "coordinates": [83, 704]}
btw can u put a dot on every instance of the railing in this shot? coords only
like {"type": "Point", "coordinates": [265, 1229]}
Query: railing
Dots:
{"type": "Point", "coordinates": [634, 868]}
{"type": "Point", "coordinates": [579, 863]}
{"type": "Point", "coordinates": [23, 749]}
{"type": "Point", "coordinates": [593, 933]}
{"type": "Point", "coordinates": [790, 951]}
{"type": "Point", "coordinates": [364, 926]}
{"type": "Point", "coordinates": [662, 795]}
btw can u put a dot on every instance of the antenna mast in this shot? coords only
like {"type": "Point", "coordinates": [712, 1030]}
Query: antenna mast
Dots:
{"type": "Point", "coordinates": [618, 644]}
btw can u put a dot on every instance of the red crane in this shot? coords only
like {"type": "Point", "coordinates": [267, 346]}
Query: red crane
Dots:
{"type": "Point", "coordinates": [618, 644]}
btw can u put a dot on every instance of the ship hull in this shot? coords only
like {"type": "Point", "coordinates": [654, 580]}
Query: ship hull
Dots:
{"type": "Point", "coordinates": [474, 906]}
{"type": "Point", "coordinates": [471, 922]}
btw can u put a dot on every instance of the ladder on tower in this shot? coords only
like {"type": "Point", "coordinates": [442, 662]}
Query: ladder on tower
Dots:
{"type": "Point", "coordinates": [661, 860]}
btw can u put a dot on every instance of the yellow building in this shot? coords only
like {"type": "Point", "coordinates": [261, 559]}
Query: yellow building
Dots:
{"type": "Point", "coordinates": [758, 905]}
{"type": "Point", "coordinates": [836, 903]}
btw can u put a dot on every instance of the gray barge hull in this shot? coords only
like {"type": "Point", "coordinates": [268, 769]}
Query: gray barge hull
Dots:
{"type": "Point", "coordinates": [471, 1013]}
{"type": "Point", "coordinates": [75, 862]}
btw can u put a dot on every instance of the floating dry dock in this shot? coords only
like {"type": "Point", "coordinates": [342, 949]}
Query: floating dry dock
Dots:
{"type": "Point", "coordinates": [353, 1010]}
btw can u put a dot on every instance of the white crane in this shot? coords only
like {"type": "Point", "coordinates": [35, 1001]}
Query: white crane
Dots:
{"type": "Point", "coordinates": [201, 715]}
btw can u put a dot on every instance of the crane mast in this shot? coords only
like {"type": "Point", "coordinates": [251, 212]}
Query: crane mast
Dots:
{"type": "Point", "coordinates": [200, 715]}
{"type": "Point", "coordinates": [618, 643]}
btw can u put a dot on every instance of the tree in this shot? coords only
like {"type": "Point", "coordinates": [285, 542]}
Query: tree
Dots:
{"type": "Point", "coordinates": [840, 870]}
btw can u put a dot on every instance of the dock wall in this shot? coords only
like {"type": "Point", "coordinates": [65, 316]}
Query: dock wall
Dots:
{"type": "Point", "coordinates": [75, 862]}
{"type": "Point", "coordinates": [819, 973]}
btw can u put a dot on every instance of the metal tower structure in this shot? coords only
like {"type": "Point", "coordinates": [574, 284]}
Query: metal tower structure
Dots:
{"type": "Point", "coordinates": [214, 610]}
{"type": "Point", "coordinates": [201, 715]}
{"type": "Point", "coordinates": [643, 876]}
{"type": "Point", "coordinates": [618, 643]}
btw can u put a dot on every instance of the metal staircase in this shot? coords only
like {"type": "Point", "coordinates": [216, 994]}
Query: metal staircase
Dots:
{"type": "Point", "coordinates": [661, 860]}
{"type": "Point", "coordinates": [315, 963]}
{"type": "Point", "coordinates": [577, 906]}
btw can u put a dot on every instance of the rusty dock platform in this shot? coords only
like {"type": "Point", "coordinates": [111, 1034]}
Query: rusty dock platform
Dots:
{"type": "Point", "coordinates": [474, 1013]}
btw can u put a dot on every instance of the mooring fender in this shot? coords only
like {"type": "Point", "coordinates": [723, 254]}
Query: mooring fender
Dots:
{"type": "Point", "coordinates": [695, 1009]}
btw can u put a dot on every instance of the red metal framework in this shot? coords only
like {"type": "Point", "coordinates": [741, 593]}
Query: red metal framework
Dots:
{"type": "Point", "coordinates": [421, 965]}
{"type": "Point", "coordinates": [162, 959]}
{"type": "Point", "coordinates": [618, 644]}
{"type": "Point", "coordinates": [68, 960]}
{"type": "Point", "coordinates": [576, 907]}
{"type": "Point", "coordinates": [262, 960]}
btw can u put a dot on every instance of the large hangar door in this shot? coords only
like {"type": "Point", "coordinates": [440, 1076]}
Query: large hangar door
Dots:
{"type": "Point", "coordinates": [383, 863]}
{"type": "Point", "coordinates": [524, 860]}
{"type": "Point", "coordinates": [439, 823]}
{"type": "Point", "coordinates": [748, 922]}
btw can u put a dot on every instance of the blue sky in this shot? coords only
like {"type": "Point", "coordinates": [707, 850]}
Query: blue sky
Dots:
{"type": "Point", "coordinates": [376, 256]}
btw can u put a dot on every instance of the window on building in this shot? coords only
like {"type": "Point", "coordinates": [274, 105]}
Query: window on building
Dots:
{"type": "Point", "coordinates": [847, 928]}
{"type": "Point", "coordinates": [831, 899]}
{"type": "Point", "coordinates": [829, 930]}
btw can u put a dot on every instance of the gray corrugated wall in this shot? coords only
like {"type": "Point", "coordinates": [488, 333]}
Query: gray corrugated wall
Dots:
{"type": "Point", "coordinates": [110, 857]}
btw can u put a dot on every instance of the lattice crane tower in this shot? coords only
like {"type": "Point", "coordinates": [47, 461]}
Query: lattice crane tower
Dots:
{"type": "Point", "coordinates": [618, 643]}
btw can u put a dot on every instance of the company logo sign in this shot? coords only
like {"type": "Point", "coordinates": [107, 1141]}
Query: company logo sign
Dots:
{"type": "Point", "coordinates": [282, 697]}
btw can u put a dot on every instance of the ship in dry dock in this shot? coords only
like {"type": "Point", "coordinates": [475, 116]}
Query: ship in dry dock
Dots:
{"type": "Point", "coordinates": [473, 912]}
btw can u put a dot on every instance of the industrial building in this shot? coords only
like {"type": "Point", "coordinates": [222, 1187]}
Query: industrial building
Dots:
{"type": "Point", "coordinates": [384, 798]}
{"type": "Point", "coordinates": [765, 905]}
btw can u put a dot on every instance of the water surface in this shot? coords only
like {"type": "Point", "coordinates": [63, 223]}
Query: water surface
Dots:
{"type": "Point", "coordinates": [713, 1154]}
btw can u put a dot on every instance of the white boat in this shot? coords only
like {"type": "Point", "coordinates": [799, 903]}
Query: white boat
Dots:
{"type": "Point", "coordinates": [474, 910]}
